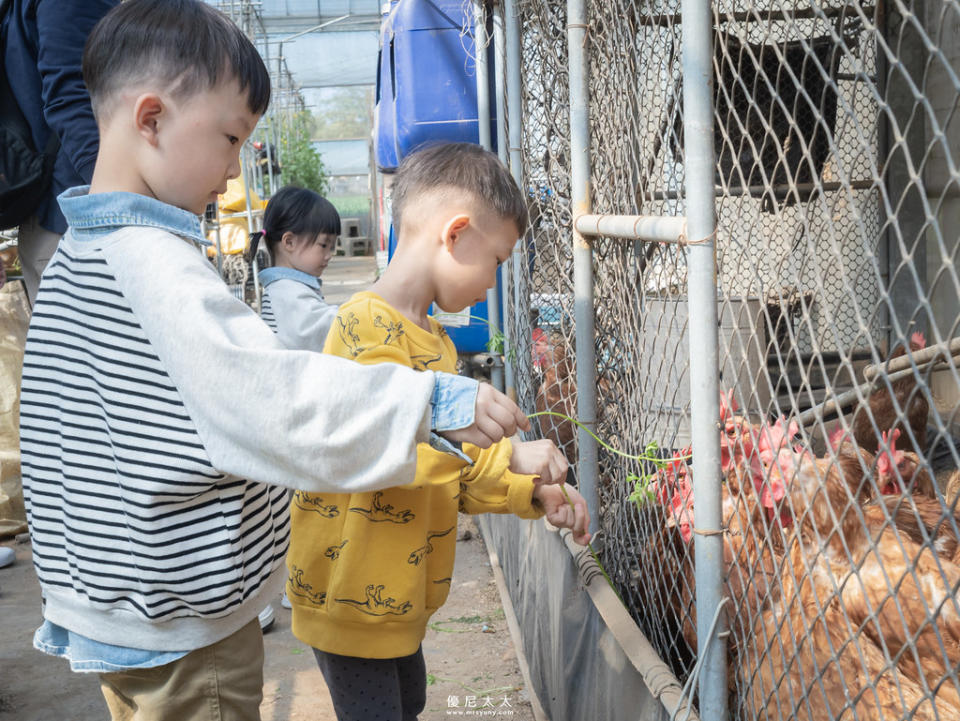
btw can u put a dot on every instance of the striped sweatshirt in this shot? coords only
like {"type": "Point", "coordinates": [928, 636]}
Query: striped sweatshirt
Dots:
{"type": "Point", "coordinates": [160, 419]}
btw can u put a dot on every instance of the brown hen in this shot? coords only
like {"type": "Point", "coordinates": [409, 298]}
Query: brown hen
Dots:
{"type": "Point", "coordinates": [865, 585]}
{"type": "Point", "coordinates": [910, 399]}
{"type": "Point", "coordinates": [558, 393]}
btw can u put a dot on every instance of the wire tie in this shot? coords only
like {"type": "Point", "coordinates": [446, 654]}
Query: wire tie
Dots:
{"type": "Point", "coordinates": [581, 26]}
{"type": "Point", "coordinates": [682, 241]}
{"type": "Point", "coordinates": [709, 531]}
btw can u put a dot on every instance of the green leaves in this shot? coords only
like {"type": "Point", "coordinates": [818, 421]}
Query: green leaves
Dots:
{"type": "Point", "coordinates": [301, 162]}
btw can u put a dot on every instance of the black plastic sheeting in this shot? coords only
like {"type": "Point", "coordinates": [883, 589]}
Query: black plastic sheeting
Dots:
{"type": "Point", "coordinates": [577, 668]}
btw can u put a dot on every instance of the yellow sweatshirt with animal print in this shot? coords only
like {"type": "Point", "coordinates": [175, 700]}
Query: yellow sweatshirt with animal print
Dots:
{"type": "Point", "coordinates": [367, 570]}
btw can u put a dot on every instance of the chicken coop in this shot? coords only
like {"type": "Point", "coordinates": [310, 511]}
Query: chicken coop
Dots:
{"type": "Point", "coordinates": [741, 276]}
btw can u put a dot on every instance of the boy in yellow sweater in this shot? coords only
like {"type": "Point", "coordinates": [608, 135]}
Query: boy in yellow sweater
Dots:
{"type": "Point", "coordinates": [368, 570]}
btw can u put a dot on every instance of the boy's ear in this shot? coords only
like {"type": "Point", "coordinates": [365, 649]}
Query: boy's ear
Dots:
{"type": "Point", "coordinates": [146, 116]}
{"type": "Point", "coordinates": [453, 228]}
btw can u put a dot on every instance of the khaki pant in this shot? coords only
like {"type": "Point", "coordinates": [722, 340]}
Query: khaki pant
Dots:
{"type": "Point", "coordinates": [222, 682]}
{"type": "Point", "coordinates": [35, 246]}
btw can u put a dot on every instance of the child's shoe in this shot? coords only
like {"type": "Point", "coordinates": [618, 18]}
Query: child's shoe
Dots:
{"type": "Point", "coordinates": [285, 602]}
{"type": "Point", "coordinates": [7, 556]}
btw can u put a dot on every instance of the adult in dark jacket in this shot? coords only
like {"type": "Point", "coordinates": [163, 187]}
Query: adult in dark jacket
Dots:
{"type": "Point", "coordinates": [44, 47]}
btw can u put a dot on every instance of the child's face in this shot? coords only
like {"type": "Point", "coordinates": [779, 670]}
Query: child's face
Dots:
{"type": "Point", "coordinates": [311, 255]}
{"type": "Point", "coordinates": [197, 150]}
{"type": "Point", "coordinates": [470, 267]}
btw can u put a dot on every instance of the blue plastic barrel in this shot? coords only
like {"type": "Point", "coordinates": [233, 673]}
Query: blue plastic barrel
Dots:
{"type": "Point", "coordinates": [426, 79]}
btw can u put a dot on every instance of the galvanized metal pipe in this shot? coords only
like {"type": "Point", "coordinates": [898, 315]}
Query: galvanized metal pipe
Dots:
{"type": "Point", "coordinates": [499, 69]}
{"type": "Point", "coordinates": [838, 403]}
{"type": "Point", "coordinates": [483, 72]}
{"type": "Point", "coordinates": [920, 358]}
{"type": "Point", "coordinates": [587, 467]}
{"type": "Point", "coordinates": [699, 167]}
{"type": "Point", "coordinates": [480, 41]}
{"type": "Point", "coordinates": [651, 228]}
{"type": "Point", "coordinates": [518, 297]}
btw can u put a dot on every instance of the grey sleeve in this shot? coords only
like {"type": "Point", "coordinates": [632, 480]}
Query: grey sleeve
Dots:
{"type": "Point", "coordinates": [293, 418]}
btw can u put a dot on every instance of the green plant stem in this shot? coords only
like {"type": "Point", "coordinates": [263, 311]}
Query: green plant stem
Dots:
{"type": "Point", "coordinates": [639, 458]}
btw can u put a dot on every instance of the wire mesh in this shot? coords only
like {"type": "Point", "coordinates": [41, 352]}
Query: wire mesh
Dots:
{"type": "Point", "coordinates": [836, 198]}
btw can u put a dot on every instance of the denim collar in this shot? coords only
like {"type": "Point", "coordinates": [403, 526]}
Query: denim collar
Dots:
{"type": "Point", "coordinates": [93, 216]}
{"type": "Point", "coordinates": [271, 275]}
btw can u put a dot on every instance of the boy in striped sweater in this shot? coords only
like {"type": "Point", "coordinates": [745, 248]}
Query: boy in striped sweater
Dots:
{"type": "Point", "coordinates": [161, 420]}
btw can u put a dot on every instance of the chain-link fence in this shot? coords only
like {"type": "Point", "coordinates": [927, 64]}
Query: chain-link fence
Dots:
{"type": "Point", "coordinates": [837, 198]}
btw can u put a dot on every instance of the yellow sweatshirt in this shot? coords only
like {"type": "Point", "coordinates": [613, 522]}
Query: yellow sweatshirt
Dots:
{"type": "Point", "coordinates": [367, 570]}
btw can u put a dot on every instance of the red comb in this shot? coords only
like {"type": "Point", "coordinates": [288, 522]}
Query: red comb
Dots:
{"type": "Point", "coordinates": [917, 339]}
{"type": "Point", "coordinates": [728, 404]}
{"type": "Point", "coordinates": [835, 439]}
{"type": "Point", "coordinates": [890, 438]}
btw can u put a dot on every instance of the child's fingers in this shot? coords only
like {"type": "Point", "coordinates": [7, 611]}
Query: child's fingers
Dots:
{"type": "Point", "coordinates": [552, 465]}
{"type": "Point", "coordinates": [582, 521]}
{"type": "Point", "coordinates": [496, 414]}
{"type": "Point", "coordinates": [558, 466]}
{"type": "Point", "coordinates": [522, 421]}
{"type": "Point", "coordinates": [518, 418]}
{"type": "Point", "coordinates": [579, 519]}
{"type": "Point", "coordinates": [580, 535]}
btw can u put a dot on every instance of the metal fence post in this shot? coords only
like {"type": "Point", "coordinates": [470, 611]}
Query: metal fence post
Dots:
{"type": "Point", "coordinates": [699, 169]}
{"type": "Point", "coordinates": [580, 201]}
{"type": "Point", "coordinates": [483, 123]}
{"type": "Point", "coordinates": [514, 60]}
{"type": "Point", "coordinates": [499, 68]}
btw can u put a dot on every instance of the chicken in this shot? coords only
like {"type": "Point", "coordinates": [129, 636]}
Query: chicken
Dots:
{"type": "Point", "coordinates": [910, 400]}
{"type": "Point", "coordinates": [828, 598]}
{"type": "Point", "coordinates": [807, 662]}
{"type": "Point", "coordinates": [901, 471]}
{"type": "Point", "coordinates": [750, 561]}
{"type": "Point", "coordinates": [925, 520]}
{"type": "Point", "coordinates": [557, 393]}
{"type": "Point", "coordinates": [952, 489]}
{"type": "Point", "coordinates": [878, 589]}
{"type": "Point", "coordinates": [753, 522]}
{"type": "Point", "coordinates": [853, 462]}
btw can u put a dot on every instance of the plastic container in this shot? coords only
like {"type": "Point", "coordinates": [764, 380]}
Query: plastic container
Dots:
{"type": "Point", "coordinates": [473, 336]}
{"type": "Point", "coordinates": [426, 80]}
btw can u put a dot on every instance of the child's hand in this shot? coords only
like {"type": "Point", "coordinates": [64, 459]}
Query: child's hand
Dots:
{"type": "Point", "coordinates": [539, 458]}
{"type": "Point", "coordinates": [496, 417]}
{"type": "Point", "coordinates": [559, 512]}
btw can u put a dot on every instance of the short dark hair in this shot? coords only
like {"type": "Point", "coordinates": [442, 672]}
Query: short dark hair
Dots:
{"type": "Point", "coordinates": [299, 211]}
{"type": "Point", "coordinates": [461, 166]}
{"type": "Point", "coordinates": [185, 43]}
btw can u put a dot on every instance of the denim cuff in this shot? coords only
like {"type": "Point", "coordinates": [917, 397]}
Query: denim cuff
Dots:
{"type": "Point", "coordinates": [454, 402]}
